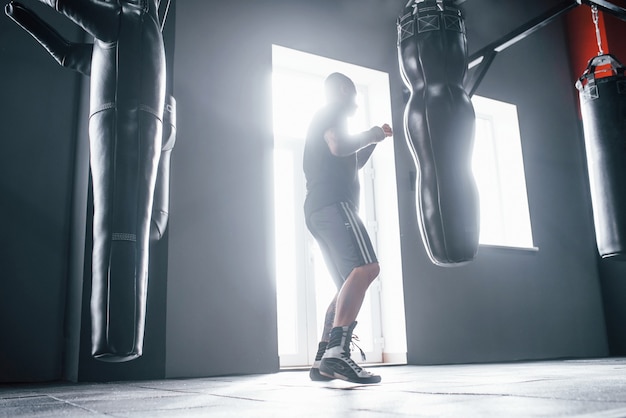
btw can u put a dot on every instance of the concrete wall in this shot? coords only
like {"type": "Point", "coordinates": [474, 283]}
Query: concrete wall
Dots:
{"type": "Point", "coordinates": [38, 136]}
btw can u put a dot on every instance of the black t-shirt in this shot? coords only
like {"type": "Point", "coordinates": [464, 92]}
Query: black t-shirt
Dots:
{"type": "Point", "coordinates": [329, 179]}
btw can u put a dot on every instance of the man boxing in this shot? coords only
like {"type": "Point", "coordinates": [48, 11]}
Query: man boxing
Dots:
{"type": "Point", "coordinates": [332, 158]}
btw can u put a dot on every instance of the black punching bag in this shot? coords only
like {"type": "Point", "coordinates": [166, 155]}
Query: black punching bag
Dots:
{"type": "Point", "coordinates": [126, 64]}
{"type": "Point", "coordinates": [439, 124]}
{"type": "Point", "coordinates": [603, 107]}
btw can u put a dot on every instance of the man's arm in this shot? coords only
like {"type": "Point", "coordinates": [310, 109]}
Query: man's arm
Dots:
{"type": "Point", "coordinates": [341, 144]}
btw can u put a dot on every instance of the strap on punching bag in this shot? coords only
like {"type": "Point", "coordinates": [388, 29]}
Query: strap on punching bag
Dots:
{"type": "Point", "coordinates": [592, 71]}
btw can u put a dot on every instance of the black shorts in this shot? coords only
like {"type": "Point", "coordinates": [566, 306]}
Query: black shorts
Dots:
{"type": "Point", "coordinates": [342, 238]}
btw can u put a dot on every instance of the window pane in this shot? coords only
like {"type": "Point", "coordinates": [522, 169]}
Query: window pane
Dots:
{"type": "Point", "coordinates": [286, 290]}
{"type": "Point", "coordinates": [499, 171]}
{"type": "Point", "coordinates": [296, 97]}
{"type": "Point", "coordinates": [485, 166]}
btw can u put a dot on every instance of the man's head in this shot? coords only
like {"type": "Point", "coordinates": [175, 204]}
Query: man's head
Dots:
{"type": "Point", "coordinates": [340, 90]}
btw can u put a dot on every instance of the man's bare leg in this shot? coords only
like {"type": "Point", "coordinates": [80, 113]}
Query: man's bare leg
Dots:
{"type": "Point", "coordinates": [352, 293]}
{"type": "Point", "coordinates": [329, 319]}
{"type": "Point", "coordinates": [336, 361]}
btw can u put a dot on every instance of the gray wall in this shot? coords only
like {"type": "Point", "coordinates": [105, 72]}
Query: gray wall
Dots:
{"type": "Point", "coordinates": [613, 279]}
{"type": "Point", "coordinates": [221, 311]}
{"type": "Point", "coordinates": [37, 131]}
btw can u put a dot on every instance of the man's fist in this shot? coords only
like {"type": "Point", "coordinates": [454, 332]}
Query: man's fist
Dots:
{"type": "Point", "coordinates": [387, 130]}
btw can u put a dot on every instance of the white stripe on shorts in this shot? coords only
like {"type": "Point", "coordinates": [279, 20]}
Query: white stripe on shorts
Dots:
{"type": "Point", "coordinates": [358, 234]}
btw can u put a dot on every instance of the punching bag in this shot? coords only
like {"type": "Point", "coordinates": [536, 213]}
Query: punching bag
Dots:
{"type": "Point", "coordinates": [439, 123]}
{"type": "Point", "coordinates": [126, 65]}
{"type": "Point", "coordinates": [603, 108]}
{"type": "Point", "coordinates": [125, 132]}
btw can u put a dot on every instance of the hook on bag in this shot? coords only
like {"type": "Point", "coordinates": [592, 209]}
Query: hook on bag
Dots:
{"type": "Point", "coordinates": [598, 65]}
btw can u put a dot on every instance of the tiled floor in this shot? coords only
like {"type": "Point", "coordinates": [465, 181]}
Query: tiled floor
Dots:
{"type": "Point", "coordinates": [576, 388]}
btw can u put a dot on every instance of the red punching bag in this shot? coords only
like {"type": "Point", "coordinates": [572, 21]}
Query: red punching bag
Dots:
{"type": "Point", "coordinates": [602, 89]}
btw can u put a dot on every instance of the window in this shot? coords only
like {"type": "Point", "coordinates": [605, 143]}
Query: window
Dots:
{"type": "Point", "coordinates": [499, 172]}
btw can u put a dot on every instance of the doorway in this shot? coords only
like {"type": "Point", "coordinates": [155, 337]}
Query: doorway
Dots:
{"type": "Point", "coordinates": [304, 287]}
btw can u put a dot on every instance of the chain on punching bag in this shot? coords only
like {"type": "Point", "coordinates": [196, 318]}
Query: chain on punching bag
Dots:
{"type": "Point", "coordinates": [603, 108]}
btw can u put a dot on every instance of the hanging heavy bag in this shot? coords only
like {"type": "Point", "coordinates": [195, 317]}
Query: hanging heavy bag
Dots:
{"type": "Point", "coordinates": [439, 125]}
{"type": "Point", "coordinates": [127, 99]}
{"type": "Point", "coordinates": [603, 108]}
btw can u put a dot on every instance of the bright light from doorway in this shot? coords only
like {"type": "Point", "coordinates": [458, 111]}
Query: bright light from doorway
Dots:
{"type": "Point", "coordinates": [303, 286]}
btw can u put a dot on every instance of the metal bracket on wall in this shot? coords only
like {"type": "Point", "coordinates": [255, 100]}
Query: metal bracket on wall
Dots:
{"type": "Point", "coordinates": [482, 59]}
{"type": "Point", "coordinates": [606, 6]}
